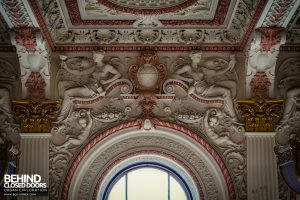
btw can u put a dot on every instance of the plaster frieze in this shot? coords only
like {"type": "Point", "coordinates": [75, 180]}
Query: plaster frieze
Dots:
{"type": "Point", "coordinates": [179, 96]}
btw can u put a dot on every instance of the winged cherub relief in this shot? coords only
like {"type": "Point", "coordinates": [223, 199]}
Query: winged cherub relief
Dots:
{"type": "Point", "coordinates": [97, 77]}
{"type": "Point", "coordinates": [211, 79]}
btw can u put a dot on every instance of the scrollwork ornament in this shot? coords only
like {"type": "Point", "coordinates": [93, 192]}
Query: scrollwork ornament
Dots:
{"type": "Point", "coordinates": [148, 36]}
{"type": "Point", "coordinates": [104, 36]}
{"type": "Point", "coordinates": [191, 36]}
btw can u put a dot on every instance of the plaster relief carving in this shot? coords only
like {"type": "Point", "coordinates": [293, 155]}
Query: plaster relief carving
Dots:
{"type": "Point", "coordinates": [211, 80]}
{"type": "Point", "coordinates": [263, 56]}
{"type": "Point", "coordinates": [84, 124]}
{"type": "Point", "coordinates": [232, 35]}
{"type": "Point", "coordinates": [34, 63]}
{"type": "Point", "coordinates": [211, 121]}
{"type": "Point", "coordinates": [97, 77]}
{"type": "Point", "coordinates": [147, 21]}
{"type": "Point", "coordinates": [288, 130]}
{"type": "Point", "coordinates": [181, 99]}
{"type": "Point", "coordinates": [289, 87]}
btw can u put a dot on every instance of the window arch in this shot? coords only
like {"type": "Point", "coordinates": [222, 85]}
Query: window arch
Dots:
{"type": "Point", "coordinates": [147, 181]}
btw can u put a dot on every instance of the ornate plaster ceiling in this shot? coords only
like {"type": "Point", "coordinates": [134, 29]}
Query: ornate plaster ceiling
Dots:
{"type": "Point", "coordinates": [119, 9]}
{"type": "Point", "coordinates": [71, 25]}
{"type": "Point", "coordinates": [207, 25]}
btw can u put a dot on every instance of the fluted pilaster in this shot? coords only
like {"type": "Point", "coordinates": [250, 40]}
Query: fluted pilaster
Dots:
{"type": "Point", "coordinates": [34, 158]}
{"type": "Point", "coordinates": [262, 175]}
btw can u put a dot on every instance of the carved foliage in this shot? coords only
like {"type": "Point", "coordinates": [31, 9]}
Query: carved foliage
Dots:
{"type": "Point", "coordinates": [270, 36]}
{"type": "Point", "coordinates": [36, 87]}
{"type": "Point", "coordinates": [36, 116]}
{"type": "Point", "coordinates": [260, 84]}
{"type": "Point", "coordinates": [25, 36]}
{"type": "Point", "coordinates": [260, 115]}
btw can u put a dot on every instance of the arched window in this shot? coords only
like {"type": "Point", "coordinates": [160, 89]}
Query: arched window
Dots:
{"type": "Point", "coordinates": [147, 182]}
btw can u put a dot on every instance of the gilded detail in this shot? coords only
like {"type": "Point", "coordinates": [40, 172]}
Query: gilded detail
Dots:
{"type": "Point", "coordinates": [36, 117]}
{"type": "Point", "coordinates": [260, 115]}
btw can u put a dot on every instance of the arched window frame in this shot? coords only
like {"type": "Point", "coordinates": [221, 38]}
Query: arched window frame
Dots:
{"type": "Point", "coordinates": [167, 169]}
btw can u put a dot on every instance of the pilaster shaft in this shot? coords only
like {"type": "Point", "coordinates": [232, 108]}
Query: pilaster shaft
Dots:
{"type": "Point", "coordinates": [262, 176]}
{"type": "Point", "coordinates": [34, 158]}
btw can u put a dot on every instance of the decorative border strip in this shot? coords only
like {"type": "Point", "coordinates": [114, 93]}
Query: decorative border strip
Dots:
{"type": "Point", "coordinates": [258, 12]}
{"type": "Point", "coordinates": [77, 48]}
{"type": "Point", "coordinates": [221, 11]}
{"type": "Point", "coordinates": [85, 102]}
{"type": "Point", "coordinates": [70, 48]}
{"type": "Point", "coordinates": [147, 152]}
{"type": "Point", "coordinates": [206, 101]}
{"type": "Point", "coordinates": [156, 122]}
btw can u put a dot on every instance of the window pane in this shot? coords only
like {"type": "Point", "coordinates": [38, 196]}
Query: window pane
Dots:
{"type": "Point", "coordinates": [118, 190]}
{"type": "Point", "coordinates": [147, 184]}
{"type": "Point", "coordinates": [176, 191]}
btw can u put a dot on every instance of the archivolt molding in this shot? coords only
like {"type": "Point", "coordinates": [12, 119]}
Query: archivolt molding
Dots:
{"type": "Point", "coordinates": [151, 140]}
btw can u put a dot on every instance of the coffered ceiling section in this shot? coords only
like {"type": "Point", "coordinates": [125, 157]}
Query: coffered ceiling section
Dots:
{"type": "Point", "coordinates": [135, 9]}
{"type": "Point", "coordinates": [132, 24]}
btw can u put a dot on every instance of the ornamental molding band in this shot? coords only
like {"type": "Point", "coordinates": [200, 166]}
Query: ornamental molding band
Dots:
{"type": "Point", "coordinates": [62, 37]}
{"type": "Point", "coordinates": [16, 14]}
{"type": "Point", "coordinates": [157, 144]}
{"type": "Point", "coordinates": [279, 13]}
{"type": "Point", "coordinates": [35, 117]}
{"type": "Point", "coordinates": [98, 93]}
{"type": "Point", "coordinates": [261, 115]}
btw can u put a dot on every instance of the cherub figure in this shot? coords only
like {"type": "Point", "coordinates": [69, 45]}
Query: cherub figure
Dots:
{"type": "Point", "coordinates": [85, 123]}
{"type": "Point", "coordinates": [197, 78]}
{"type": "Point", "coordinates": [100, 75]}
{"type": "Point", "coordinates": [211, 121]}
